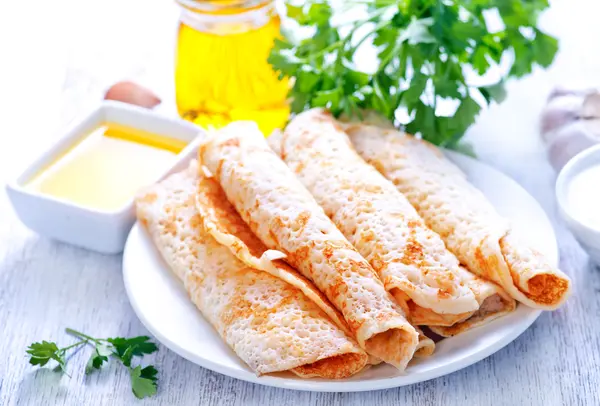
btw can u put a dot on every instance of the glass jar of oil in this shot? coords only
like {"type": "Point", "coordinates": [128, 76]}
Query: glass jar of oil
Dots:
{"type": "Point", "coordinates": [221, 72]}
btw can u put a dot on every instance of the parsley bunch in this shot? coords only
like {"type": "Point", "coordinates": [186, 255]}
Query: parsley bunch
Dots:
{"type": "Point", "coordinates": [424, 50]}
{"type": "Point", "coordinates": [143, 380]}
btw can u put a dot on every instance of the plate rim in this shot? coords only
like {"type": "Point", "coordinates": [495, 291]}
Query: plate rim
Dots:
{"type": "Point", "coordinates": [342, 385]}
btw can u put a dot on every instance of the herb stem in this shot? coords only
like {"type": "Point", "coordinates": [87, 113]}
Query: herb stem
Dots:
{"type": "Point", "coordinates": [75, 345]}
{"type": "Point", "coordinates": [323, 51]}
{"type": "Point", "coordinates": [81, 335]}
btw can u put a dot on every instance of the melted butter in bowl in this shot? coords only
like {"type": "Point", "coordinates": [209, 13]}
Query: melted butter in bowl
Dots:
{"type": "Point", "coordinates": [81, 189]}
{"type": "Point", "coordinates": [107, 168]}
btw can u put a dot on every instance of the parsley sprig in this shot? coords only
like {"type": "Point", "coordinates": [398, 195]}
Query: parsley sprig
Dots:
{"type": "Point", "coordinates": [143, 379]}
{"type": "Point", "coordinates": [425, 49]}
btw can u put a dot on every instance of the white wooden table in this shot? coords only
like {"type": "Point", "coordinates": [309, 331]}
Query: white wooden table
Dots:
{"type": "Point", "coordinates": [59, 68]}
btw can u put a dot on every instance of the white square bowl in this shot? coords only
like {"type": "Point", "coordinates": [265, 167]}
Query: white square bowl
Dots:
{"type": "Point", "coordinates": [97, 230]}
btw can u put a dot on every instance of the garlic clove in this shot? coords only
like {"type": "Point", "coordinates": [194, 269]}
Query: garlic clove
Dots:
{"type": "Point", "coordinates": [568, 141]}
{"type": "Point", "coordinates": [591, 106]}
{"type": "Point", "coordinates": [559, 112]}
{"type": "Point", "coordinates": [132, 93]}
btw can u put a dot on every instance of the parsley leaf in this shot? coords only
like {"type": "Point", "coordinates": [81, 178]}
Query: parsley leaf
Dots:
{"type": "Point", "coordinates": [128, 355]}
{"type": "Point", "coordinates": [495, 92]}
{"type": "Point", "coordinates": [135, 346]}
{"type": "Point", "coordinates": [417, 32]}
{"type": "Point", "coordinates": [42, 353]}
{"type": "Point", "coordinates": [143, 381]}
{"type": "Point", "coordinates": [98, 357]}
{"type": "Point", "coordinates": [544, 47]}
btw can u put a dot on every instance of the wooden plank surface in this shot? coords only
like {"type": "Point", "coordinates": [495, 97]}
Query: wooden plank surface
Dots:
{"type": "Point", "coordinates": [46, 286]}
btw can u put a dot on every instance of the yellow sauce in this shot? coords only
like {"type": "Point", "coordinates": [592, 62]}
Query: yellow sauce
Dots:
{"type": "Point", "coordinates": [222, 73]}
{"type": "Point", "coordinates": [107, 168]}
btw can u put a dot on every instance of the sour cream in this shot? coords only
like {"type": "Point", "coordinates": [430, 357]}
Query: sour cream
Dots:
{"type": "Point", "coordinates": [583, 196]}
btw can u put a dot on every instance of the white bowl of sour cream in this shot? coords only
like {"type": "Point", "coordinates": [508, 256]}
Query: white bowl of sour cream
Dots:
{"type": "Point", "coordinates": [578, 196]}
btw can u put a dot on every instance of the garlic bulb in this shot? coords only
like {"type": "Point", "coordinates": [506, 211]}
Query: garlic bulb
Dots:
{"type": "Point", "coordinates": [570, 123]}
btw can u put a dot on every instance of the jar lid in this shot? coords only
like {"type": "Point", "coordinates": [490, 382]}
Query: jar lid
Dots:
{"type": "Point", "coordinates": [222, 6]}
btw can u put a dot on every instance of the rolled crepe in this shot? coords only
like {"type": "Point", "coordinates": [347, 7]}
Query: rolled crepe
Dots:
{"type": "Point", "coordinates": [283, 214]}
{"type": "Point", "coordinates": [461, 215]}
{"type": "Point", "coordinates": [270, 324]}
{"type": "Point", "coordinates": [412, 261]}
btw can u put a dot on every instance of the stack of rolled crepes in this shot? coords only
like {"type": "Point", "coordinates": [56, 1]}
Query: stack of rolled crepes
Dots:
{"type": "Point", "coordinates": [305, 258]}
{"type": "Point", "coordinates": [411, 260]}
{"type": "Point", "coordinates": [462, 216]}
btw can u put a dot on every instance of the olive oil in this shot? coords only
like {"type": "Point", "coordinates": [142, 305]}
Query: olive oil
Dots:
{"type": "Point", "coordinates": [222, 73]}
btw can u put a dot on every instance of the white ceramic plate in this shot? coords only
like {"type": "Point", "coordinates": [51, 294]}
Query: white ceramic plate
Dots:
{"type": "Point", "coordinates": [163, 306]}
